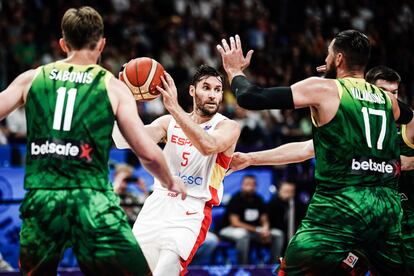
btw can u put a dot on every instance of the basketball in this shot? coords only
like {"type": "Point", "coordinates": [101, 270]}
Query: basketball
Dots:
{"type": "Point", "coordinates": [142, 75]}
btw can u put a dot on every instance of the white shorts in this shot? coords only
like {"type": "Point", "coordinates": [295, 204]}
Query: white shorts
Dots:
{"type": "Point", "coordinates": [167, 222]}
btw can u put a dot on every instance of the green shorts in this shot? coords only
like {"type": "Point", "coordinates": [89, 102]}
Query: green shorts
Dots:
{"type": "Point", "coordinates": [365, 221]}
{"type": "Point", "coordinates": [407, 230]}
{"type": "Point", "coordinates": [89, 221]}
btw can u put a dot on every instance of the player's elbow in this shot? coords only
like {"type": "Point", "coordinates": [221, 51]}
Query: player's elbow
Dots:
{"type": "Point", "coordinates": [207, 150]}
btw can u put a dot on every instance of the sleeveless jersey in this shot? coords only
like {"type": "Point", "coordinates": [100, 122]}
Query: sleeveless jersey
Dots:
{"type": "Point", "coordinates": [203, 175]}
{"type": "Point", "coordinates": [358, 147]}
{"type": "Point", "coordinates": [406, 180]}
{"type": "Point", "coordinates": [69, 126]}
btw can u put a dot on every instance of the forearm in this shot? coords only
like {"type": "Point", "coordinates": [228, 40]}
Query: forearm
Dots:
{"type": "Point", "coordinates": [285, 154]}
{"type": "Point", "coordinates": [158, 168]}
{"type": "Point", "coordinates": [407, 163]}
{"type": "Point", "coordinates": [198, 137]}
{"type": "Point", "coordinates": [254, 97]}
{"type": "Point", "coordinates": [248, 227]}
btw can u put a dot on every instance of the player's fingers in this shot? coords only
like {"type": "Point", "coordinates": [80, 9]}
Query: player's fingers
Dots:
{"type": "Point", "coordinates": [164, 82]}
{"type": "Point", "coordinates": [170, 79]}
{"type": "Point", "coordinates": [238, 42]}
{"type": "Point", "coordinates": [161, 90]}
{"type": "Point", "coordinates": [220, 49]}
{"type": "Point", "coordinates": [183, 195]}
{"type": "Point", "coordinates": [232, 43]}
{"type": "Point", "coordinates": [321, 69]}
{"type": "Point", "coordinates": [249, 56]}
{"type": "Point", "coordinates": [225, 45]}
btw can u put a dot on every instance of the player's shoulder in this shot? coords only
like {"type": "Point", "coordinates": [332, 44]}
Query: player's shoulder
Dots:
{"type": "Point", "coordinates": [225, 122]}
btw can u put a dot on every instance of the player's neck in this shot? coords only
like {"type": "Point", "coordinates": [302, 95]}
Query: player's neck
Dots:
{"type": "Point", "coordinates": [82, 57]}
{"type": "Point", "coordinates": [349, 74]}
{"type": "Point", "coordinates": [200, 119]}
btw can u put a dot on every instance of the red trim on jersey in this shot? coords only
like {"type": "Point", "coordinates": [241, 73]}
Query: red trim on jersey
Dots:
{"type": "Point", "coordinates": [223, 160]}
{"type": "Point", "coordinates": [205, 225]}
{"type": "Point", "coordinates": [214, 201]}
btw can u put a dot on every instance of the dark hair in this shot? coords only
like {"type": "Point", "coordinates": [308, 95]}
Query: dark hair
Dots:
{"type": "Point", "coordinates": [355, 46]}
{"type": "Point", "coordinates": [249, 176]}
{"type": "Point", "coordinates": [382, 73]}
{"type": "Point", "coordinates": [82, 28]}
{"type": "Point", "coordinates": [205, 71]}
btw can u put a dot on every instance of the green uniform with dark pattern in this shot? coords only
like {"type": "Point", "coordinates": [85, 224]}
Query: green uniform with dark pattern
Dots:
{"type": "Point", "coordinates": [70, 201]}
{"type": "Point", "coordinates": [406, 187]}
{"type": "Point", "coordinates": [356, 207]}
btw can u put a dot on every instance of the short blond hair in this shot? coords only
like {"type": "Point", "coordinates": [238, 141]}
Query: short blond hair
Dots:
{"type": "Point", "coordinates": [124, 168]}
{"type": "Point", "coordinates": [82, 28]}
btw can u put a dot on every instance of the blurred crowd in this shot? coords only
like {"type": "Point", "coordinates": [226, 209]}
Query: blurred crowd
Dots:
{"type": "Point", "coordinates": [290, 39]}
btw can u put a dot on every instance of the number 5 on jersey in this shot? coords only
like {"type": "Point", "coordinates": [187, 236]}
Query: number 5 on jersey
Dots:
{"type": "Point", "coordinates": [185, 159]}
{"type": "Point", "coordinates": [60, 101]}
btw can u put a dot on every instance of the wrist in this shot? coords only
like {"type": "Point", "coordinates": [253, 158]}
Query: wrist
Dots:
{"type": "Point", "coordinates": [259, 229]}
{"type": "Point", "coordinates": [234, 73]}
{"type": "Point", "coordinates": [251, 158]}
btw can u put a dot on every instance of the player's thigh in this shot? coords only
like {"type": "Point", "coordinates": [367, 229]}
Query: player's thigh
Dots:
{"type": "Point", "coordinates": [316, 251]}
{"type": "Point", "coordinates": [103, 241]}
{"type": "Point", "coordinates": [44, 231]}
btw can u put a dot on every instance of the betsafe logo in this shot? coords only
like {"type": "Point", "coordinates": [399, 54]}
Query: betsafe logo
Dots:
{"type": "Point", "coordinates": [62, 149]}
{"type": "Point", "coordinates": [368, 165]}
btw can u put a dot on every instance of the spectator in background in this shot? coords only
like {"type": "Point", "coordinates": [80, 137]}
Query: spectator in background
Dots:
{"type": "Point", "coordinates": [278, 210]}
{"type": "Point", "coordinates": [247, 219]}
{"type": "Point", "coordinates": [130, 202]}
{"type": "Point", "coordinates": [16, 131]}
{"type": "Point", "coordinates": [16, 124]}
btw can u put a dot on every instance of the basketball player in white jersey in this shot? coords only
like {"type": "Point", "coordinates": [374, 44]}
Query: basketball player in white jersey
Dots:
{"type": "Point", "coordinates": [198, 149]}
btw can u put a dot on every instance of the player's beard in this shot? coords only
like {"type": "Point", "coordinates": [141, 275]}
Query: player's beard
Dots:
{"type": "Point", "coordinates": [203, 110]}
{"type": "Point", "coordinates": [207, 112]}
{"type": "Point", "coordinates": [330, 71]}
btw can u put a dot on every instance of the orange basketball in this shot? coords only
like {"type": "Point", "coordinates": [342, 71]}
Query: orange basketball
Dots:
{"type": "Point", "coordinates": [142, 75]}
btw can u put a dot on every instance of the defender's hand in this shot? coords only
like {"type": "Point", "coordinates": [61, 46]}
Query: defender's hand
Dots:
{"type": "Point", "coordinates": [239, 161]}
{"type": "Point", "coordinates": [234, 62]}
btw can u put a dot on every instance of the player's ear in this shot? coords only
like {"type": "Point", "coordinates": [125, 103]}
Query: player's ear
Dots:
{"type": "Point", "coordinates": [192, 90]}
{"type": "Point", "coordinates": [101, 44]}
{"type": "Point", "coordinates": [339, 59]}
{"type": "Point", "coordinates": [63, 45]}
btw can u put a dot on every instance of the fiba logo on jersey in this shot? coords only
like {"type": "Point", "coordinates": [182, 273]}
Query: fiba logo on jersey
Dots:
{"type": "Point", "coordinates": [61, 149]}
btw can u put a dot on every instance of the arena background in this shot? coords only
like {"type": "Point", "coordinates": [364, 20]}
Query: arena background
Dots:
{"type": "Point", "coordinates": [290, 39]}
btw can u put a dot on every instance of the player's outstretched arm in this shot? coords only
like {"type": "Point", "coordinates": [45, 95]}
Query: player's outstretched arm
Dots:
{"type": "Point", "coordinates": [310, 92]}
{"type": "Point", "coordinates": [223, 137]}
{"type": "Point", "coordinates": [285, 154]}
{"type": "Point", "coordinates": [14, 95]}
{"type": "Point", "coordinates": [141, 143]}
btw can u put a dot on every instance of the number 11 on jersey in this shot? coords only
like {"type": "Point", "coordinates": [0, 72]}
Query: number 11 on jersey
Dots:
{"type": "Point", "coordinates": [60, 101]}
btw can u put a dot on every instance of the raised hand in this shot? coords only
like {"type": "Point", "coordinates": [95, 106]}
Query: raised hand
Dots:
{"type": "Point", "coordinates": [234, 62]}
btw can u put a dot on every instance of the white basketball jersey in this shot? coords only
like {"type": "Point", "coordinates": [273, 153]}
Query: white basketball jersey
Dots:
{"type": "Point", "coordinates": [203, 175]}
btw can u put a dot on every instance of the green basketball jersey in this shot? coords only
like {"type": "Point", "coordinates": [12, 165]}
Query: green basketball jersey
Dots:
{"type": "Point", "coordinates": [406, 181]}
{"type": "Point", "coordinates": [358, 147]}
{"type": "Point", "coordinates": [69, 126]}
